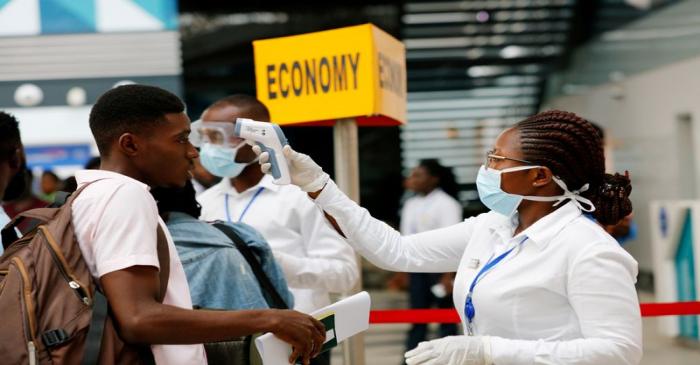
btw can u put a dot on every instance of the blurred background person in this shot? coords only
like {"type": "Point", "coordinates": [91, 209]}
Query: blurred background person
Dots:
{"type": "Point", "coordinates": [433, 206]}
{"type": "Point", "coordinates": [50, 184]}
{"type": "Point", "coordinates": [27, 200]}
{"type": "Point", "coordinates": [12, 165]}
{"type": "Point", "coordinates": [70, 185]}
{"type": "Point", "coordinates": [624, 231]}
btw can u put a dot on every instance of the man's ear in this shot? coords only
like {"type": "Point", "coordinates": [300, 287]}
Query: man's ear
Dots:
{"type": "Point", "coordinates": [16, 159]}
{"type": "Point", "coordinates": [543, 176]}
{"type": "Point", "coordinates": [129, 144]}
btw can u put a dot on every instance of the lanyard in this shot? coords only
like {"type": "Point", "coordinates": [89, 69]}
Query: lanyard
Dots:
{"type": "Point", "coordinates": [469, 309]}
{"type": "Point", "coordinates": [245, 210]}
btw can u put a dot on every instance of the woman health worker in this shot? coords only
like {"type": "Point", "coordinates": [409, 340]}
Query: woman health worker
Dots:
{"type": "Point", "coordinates": [538, 281]}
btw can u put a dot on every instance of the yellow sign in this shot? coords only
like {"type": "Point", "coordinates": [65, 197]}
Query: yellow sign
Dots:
{"type": "Point", "coordinates": [354, 72]}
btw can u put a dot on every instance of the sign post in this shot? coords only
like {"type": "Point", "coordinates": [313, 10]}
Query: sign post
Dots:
{"type": "Point", "coordinates": [347, 177]}
{"type": "Point", "coordinates": [345, 78]}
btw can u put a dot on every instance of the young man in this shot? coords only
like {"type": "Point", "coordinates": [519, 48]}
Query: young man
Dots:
{"type": "Point", "coordinates": [12, 164]}
{"type": "Point", "coordinates": [315, 259]}
{"type": "Point", "coordinates": [142, 135]}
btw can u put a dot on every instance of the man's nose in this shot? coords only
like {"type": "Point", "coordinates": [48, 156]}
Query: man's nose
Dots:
{"type": "Point", "coordinates": [193, 152]}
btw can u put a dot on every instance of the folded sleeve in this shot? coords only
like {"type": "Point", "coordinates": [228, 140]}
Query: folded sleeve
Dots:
{"type": "Point", "coordinates": [125, 233]}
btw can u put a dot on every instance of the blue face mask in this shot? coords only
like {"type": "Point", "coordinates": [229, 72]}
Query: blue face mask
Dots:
{"type": "Point", "coordinates": [221, 161]}
{"type": "Point", "coordinates": [488, 183]}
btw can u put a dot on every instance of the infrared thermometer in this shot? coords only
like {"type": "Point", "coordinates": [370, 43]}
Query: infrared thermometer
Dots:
{"type": "Point", "coordinates": [270, 138]}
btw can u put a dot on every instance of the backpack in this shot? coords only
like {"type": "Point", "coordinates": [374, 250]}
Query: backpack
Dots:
{"type": "Point", "coordinates": [243, 350]}
{"type": "Point", "coordinates": [272, 297]}
{"type": "Point", "coordinates": [47, 291]}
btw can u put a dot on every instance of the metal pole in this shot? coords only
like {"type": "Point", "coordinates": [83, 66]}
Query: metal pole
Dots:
{"type": "Point", "coordinates": [347, 176]}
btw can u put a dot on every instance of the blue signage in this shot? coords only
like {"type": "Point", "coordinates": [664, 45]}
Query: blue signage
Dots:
{"type": "Point", "coordinates": [47, 157]}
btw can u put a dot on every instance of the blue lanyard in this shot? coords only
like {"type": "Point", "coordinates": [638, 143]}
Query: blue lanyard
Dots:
{"type": "Point", "coordinates": [245, 210]}
{"type": "Point", "coordinates": [469, 310]}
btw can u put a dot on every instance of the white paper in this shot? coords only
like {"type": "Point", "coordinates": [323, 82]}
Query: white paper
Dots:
{"type": "Point", "coordinates": [351, 318]}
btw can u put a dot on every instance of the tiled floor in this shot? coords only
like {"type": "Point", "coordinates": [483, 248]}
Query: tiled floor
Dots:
{"type": "Point", "coordinates": [384, 343]}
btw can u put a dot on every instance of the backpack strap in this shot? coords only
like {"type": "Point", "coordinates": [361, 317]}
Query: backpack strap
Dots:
{"type": "Point", "coordinates": [38, 216]}
{"type": "Point", "coordinates": [164, 261]}
{"type": "Point", "coordinates": [274, 297]}
{"type": "Point", "coordinates": [113, 350]}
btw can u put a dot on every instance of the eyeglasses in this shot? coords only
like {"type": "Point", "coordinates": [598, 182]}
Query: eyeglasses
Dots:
{"type": "Point", "coordinates": [493, 158]}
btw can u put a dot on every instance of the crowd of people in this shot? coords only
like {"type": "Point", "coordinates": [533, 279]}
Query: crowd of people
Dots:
{"type": "Point", "coordinates": [536, 280]}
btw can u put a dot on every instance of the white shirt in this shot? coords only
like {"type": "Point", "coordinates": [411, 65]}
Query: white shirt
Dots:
{"type": "Point", "coordinates": [4, 219]}
{"type": "Point", "coordinates": [565, 296]}
{"type": "Point", "coordinates": [314, 257]}
{"type": "Point", "coordinates": [424, 213]}
{"type": "Point", "coordinates": [115, 222]}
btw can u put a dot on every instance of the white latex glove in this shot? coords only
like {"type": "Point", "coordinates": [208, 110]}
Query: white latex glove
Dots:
{"type": "Point", "coordinates": [304, 172]}
{"type": "Point", "coordinates": [452, 350]}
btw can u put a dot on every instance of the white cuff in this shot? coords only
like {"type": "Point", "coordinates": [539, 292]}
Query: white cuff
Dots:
{"type": "Point", "coordinates": [317, 184]}
{"type": "Point", "coordinates": [486, 341]}
{"type": "Point", "coordinates": [329, 193]}
{"type": "Point", "coordinates": [505, 351]}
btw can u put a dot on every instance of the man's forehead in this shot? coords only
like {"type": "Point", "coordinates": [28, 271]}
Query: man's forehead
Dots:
{"type": "Point", "coordinates": [229, 113]}
{"type": "Point", "coordinates": [224, 113]}
{"type": "Point", "coordinates": [178, 120]}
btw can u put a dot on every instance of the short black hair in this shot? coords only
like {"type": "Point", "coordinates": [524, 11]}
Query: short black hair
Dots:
{"type": "Point", "coordinates": [70, 184]}
{"type": "Point", "coordinates": [10, 139]}
{"type": "Point", "coordinates": [177, 200]}
{"type": "Point", "coordinates": [130, 108]}
{"type": "Point", "coordinates": [254, 107]}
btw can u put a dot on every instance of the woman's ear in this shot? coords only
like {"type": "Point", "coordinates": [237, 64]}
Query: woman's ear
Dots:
{"type": "Point", "coordinates": [543, 176]}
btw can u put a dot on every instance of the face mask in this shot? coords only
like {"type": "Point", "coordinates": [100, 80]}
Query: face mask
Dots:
{"type": "Point", "coordinates": [488, 183]}
{"type": "Point", "coordinates": [16, 186]}
{"type": "Point", "coordinates": [221, 161]}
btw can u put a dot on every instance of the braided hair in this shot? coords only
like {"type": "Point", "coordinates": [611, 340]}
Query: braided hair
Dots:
{"type": "Point", "coordinates": [572, 148]}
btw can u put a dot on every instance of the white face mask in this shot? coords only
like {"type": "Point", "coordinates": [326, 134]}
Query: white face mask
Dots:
{"type": "Point", "coordinates": [488, 183]}
{"type": "Point", "coordinates": [221, 161]}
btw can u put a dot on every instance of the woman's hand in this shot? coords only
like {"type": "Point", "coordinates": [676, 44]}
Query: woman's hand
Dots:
{"type": "Point", "coordinates": [304, 172]}
{"type": "Point", "coordinates": [452, 350]}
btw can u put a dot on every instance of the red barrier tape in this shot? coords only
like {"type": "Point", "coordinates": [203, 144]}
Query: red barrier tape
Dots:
{"type": "Point", "coordinates": [450, 315]}
{"type": "Point", "coordinates": [670, 309]}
